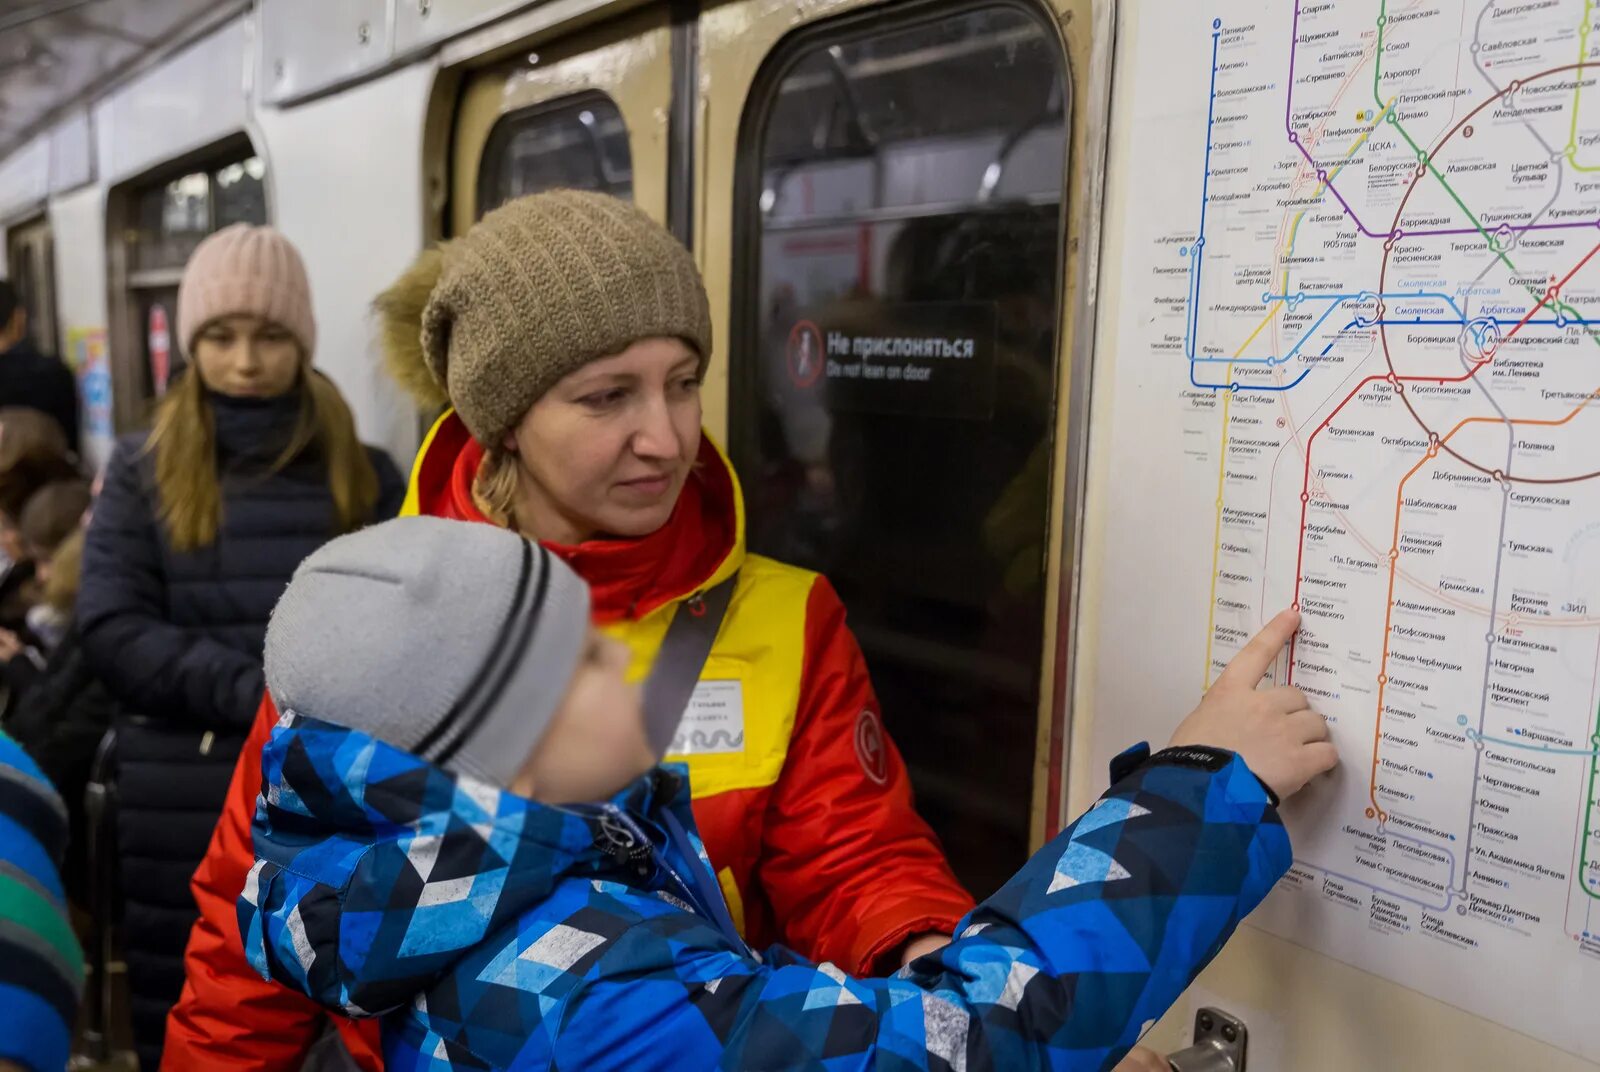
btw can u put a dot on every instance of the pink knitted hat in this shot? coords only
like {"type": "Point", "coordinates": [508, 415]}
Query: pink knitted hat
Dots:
{"type": "Point", "coordinates": [246, 270]}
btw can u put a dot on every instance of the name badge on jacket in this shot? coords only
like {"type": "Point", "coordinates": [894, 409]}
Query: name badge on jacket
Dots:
{"type": "Point", "coordinates": [713, 723]}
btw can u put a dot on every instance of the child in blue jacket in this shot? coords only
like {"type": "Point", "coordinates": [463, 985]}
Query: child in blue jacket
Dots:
{"type": "Point", "coordinates": [463, 829]}
{"type": "Point", "coordinates": [41, 965]}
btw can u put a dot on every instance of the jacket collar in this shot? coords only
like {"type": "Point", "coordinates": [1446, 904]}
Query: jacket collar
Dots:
{"type": "Point", "coordinates": [328, 782]}
{"type": "Point", "coordinates": [701, 545]}
{"type": "Point", "coordinates": [254, 429]}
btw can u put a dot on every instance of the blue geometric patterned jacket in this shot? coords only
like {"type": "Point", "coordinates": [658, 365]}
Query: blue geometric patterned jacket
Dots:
{"type": "Point", "coordinates": [491, 932]}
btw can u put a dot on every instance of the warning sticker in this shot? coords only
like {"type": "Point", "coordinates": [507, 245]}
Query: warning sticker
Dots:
{"type": "Point", "coordinates": [932, 359]}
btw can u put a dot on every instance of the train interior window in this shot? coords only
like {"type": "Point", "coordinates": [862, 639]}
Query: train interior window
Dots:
{"type": "Point", "coordinates": [894, 384]}
{"type": "Point", "coordinates": [170, 218]}
{"type": "Point", "coordinates": [173, 218]}
{"type": "Point", "coordinates": [240, 193]}
{"type": "Point", "coordinates": [30, 257]}
{"type": "Point", "coordinates": [578, 142]}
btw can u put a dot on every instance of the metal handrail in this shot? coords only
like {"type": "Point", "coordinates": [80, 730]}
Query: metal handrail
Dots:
{"type": "Point", "coordinates": [100, 815]}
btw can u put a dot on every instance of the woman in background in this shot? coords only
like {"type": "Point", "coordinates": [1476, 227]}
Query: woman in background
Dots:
{"type": "Point", "coordinates": [253, 462]}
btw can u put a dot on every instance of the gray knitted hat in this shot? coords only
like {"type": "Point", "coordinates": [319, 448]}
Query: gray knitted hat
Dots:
{"type": "Point", "coordinates": [537, 289]}
{"type": "Point", "coordinates": [451, 640]}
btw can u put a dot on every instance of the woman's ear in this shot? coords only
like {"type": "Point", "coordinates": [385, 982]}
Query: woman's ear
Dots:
{"type": "Point", "coordinates": [510, 442]}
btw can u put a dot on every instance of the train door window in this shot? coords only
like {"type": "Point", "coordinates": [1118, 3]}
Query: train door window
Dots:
{"type": "Point", "coordinates": [166, 219]}
{"type": "Point", "coordinates": [30, 256]}
{"type": "Point", "coordinates": [893, 386]}
{"type": "Point", "coordinates": [240, 192]}
{"type": "Point", "coordinates": [579, 142]}
{"type": "Point", "coordinates": [581, 109]}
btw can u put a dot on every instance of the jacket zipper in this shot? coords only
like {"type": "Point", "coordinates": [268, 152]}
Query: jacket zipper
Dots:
{"type": "Point", "coordinates": [639, 838]}
{"type": "Point", "coordinates": [685, 887]}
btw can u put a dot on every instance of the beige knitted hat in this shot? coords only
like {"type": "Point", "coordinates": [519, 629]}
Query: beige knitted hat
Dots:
{"type": "Point", "coordinates": [537, 288]}
{"type": "Point", "coordinates": [246, 270]}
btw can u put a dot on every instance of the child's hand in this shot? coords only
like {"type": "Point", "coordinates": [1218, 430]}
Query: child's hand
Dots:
{"type": "Point", "coordinates": [1274, 730]}
{"type": "Point", "coordinates": [922, 945]}
{"type": "Point", "coordinates": [10, 645]}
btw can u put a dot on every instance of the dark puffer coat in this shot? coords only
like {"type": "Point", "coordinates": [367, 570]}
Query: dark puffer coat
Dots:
{"type": "Point", "coordinates": [60, 718]}
{"type": "Point", "coordinates": [177, 639]}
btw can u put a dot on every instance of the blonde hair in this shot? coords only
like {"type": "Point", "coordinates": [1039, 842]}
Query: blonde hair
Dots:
{"type": "Point", "coordinates": [494, 488]}
{"type": "Point", "coordinates": [183, 441]}
{"type": "Point", "coordinates": [66, 568]}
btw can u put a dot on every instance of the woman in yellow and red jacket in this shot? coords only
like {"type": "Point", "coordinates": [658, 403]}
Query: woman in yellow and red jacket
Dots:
{"type": "Point", "coordinates": [570, 333]}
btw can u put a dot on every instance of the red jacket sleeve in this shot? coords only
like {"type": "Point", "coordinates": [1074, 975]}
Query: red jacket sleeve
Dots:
{"type": "Point", "coordinates": [851, 870]}
{"type": "Point", "coordinates": [229, 1018]}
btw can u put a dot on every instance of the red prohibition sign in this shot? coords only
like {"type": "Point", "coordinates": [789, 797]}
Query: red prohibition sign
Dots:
{"type": "Point", "coordinates": [805, 356]}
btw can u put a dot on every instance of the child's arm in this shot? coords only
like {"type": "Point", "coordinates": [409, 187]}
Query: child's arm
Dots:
{"type": "Point", "coordinates": [1061, 969]}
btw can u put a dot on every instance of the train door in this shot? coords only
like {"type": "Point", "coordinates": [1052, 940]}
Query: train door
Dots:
{"type": "Point", "coordinates": [587, 110]}
{"type": "Point", "coordinates": [156, 223]}
{"type": "Point", "coordinates": [887, 215]}
{"type": "Point", "coordinates": [31, 268]}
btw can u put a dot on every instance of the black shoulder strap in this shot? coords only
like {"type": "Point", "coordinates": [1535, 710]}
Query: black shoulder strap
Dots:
{"type": "Point", "coordinates": [681, 659]}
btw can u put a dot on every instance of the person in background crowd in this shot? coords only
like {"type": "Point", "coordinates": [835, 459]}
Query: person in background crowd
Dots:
{"type": "Point", "coordinates": [570, 333]}
{"type": "Point", "coordinates": [56, 513]}
{"type": "Point", "coordinates": [62, 715]}
{"type": "Point", "coordinates": [33, 454]}
{"type": "Point", "coordinates": [252, 463]}
{"type": "Point", "coordinates": [589, 932]}
{"type": "Point", "coordinates": [41, 964]}
{"type": "Point", "coordinates": [29, 378]}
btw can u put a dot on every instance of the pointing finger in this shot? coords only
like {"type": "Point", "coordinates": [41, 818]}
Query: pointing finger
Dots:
{"type": "Point", "coordinates": [1256, 658]}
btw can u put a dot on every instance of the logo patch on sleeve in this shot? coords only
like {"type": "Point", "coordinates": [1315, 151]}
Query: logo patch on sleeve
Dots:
{"type": "Point", "coordinates": [871, 750]}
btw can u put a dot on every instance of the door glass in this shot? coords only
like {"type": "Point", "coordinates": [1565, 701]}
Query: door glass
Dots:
{"type": "Point", "coordinates": [31, 254]}
{"type": "Point", "coordinates": [578, 142]}
{"type": "Point", "coordinates": [241, 193]}
{"type": "Point", "coordinates": [25, 278]}
{"type": "Point", "coordinates": [894, 380]}
{"type": "Point", "coordinates": [173, 218]}
{"type": "Point", "coordinates": [22, 278]}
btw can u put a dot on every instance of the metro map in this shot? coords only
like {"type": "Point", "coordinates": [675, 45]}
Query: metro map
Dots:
{"type": "Point", "coordinates": [1391, 326]}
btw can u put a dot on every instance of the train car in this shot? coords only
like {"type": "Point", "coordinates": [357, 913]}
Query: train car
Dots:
{"type": "Point", "coordinates": [926, 229]}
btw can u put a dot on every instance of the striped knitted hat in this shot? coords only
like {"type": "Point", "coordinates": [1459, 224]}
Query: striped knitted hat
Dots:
{"type": "Point", "coordinates": [41, 964]}
{"type": "Point", "coordinates": [451, 640]}
{"type": "Point", "coordinates": [536, 289]}
{"type": "Point", "coordinates": [246, 270]}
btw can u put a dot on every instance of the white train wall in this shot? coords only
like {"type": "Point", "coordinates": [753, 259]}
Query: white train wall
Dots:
{"type": "Point", "coordinates": [344, 182]}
